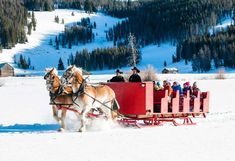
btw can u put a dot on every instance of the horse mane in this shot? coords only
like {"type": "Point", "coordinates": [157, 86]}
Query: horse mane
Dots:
{"type": "Point", "coordinates": [78, 76]}
{"type": "Point", "coordinates": [78, 70]}
{"type": "Point", "coordinates": [47, 70]}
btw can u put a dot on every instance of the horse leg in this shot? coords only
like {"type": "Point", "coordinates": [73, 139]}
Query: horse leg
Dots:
{"type": "Point", "coordinates": [83, 119]}
{"type": "Point", "coordinates": [55, 113]}
{"type": "Point", "coordinates": [62, 119]}
{"type": "Point", "coordinates": [57, 118]}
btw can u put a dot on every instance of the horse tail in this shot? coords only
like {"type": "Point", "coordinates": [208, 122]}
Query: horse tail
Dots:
{"type": "Point", "coordinates": [115, 108]}
{"type": "Point", "coordinates": [115, 104]}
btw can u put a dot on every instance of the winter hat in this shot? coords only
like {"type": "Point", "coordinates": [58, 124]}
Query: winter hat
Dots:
{"type": "Point", "coordinates": [119, 71]}
{"type": "Point", "coordinates": [135, 68]}
{"type": "Point", "coordinates": [187, 83]}
{"type": "Point", "coordinates": [158, 83]}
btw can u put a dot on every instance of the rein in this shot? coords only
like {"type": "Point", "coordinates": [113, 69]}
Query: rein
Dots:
{"type": "Point", "coordinates": [81, 91]}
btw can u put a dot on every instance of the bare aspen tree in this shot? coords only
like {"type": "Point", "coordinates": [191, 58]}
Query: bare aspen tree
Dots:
{"type": "Point", "coordinates": [132, 46]}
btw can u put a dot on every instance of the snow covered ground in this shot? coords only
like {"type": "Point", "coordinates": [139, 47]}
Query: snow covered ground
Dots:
{"type": "Point", "coordinates": [24, 101]}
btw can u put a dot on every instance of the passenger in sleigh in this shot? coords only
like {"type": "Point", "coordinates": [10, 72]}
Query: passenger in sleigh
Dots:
{"type": "Point", "coordinates": [177, 87]}
{"type": "Point", "coordinates": [157, 86]}
{"type": "Point", "coordinates": [195, 90]}
{"type": "Point", "coordinates": [167, 86]}
{"type": "Point", "coordinates": [118, 77]}
{"type": "Point", "coordinates": [135, 76]}
{"type": "Point", "coordinates": [186, 88]}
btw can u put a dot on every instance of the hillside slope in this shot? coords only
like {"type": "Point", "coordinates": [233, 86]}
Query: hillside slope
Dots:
{"type": "Point", "coordinates": [43, 55]}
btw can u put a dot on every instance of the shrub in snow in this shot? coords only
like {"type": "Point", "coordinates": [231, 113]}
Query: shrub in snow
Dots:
{"type": "Point", "coordinates": [220, 74]}
{"type": "Point", "coordinates": [149, 74]}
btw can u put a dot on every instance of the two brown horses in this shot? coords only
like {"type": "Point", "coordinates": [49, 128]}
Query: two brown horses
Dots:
{"type": "Point", "coordinates": [84, 96]}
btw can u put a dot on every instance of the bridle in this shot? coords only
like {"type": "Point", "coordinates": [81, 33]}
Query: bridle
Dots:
{"type": "Point", "coordinates": [50, 80]}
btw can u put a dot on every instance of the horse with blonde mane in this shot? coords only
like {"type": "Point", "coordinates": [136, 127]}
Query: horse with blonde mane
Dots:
{"type": "Point", "coordinates": [88, 97]}
{"type": "Point", "coordinates": [59, 96]}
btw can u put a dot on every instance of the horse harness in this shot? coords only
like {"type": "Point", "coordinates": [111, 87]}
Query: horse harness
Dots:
{"type": "Point", "coordinates": [81, 91]}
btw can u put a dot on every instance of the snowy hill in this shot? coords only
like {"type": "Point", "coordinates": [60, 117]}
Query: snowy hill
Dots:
{"type": "Point", "coordinates": [43, 55]}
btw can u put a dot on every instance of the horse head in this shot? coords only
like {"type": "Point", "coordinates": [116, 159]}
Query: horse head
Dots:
{"type": "Point", "coordinates": [52, 80]}
{"type": "Point", "coordinates": [73, 76]}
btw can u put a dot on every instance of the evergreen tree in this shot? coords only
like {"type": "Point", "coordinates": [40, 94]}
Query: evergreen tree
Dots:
{"type": "Point", "coordinates": [34, 23]}
{"type": "Point", "coordinates": [57, 43]}
{"type": "Point", "coordinates": [173, 59]}
{"type": "Point", "coordinates": [165, 64]}
{"type": "Point", "coordinates": [89, 6]}
{"type": "Point", "coordinates": [50, 42]}
{"type": "Point", "coordinates": [22, 63]}
{"type": "Point", "coordinates": [60, 65]}
{"type": "Point", "coordinates": [94, 25]}
{"type": "Point", "coordinates": [57, 20]}
{"type": "Point", "coordinates": [29, 28]}
{"type": "Point", "coordinates": [13, 19]}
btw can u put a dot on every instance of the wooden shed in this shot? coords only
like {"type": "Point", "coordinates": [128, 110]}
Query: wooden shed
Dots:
{"type": "Point", "coordinates": [6, 70]}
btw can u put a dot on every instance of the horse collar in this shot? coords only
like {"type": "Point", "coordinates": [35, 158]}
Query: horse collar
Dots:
{"type": "Point", "coordinates": [81, 88]}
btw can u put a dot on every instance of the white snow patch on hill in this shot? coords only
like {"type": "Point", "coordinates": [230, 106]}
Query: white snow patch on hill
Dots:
{"type": "Point", "coordinates": [225, 22]}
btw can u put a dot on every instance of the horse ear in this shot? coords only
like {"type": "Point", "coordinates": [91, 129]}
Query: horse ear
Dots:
{"type": "Point", "coordinates": [52, 70]}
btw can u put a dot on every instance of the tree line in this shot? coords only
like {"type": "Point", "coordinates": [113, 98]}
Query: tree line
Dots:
{"type": "Point", "coordinates": [157, 21]}
{"type": "Point", "coordinates": [13, 18]}
{"type": "Point", "coordinates": [79, 33]}
{"type": "Point", "coordinates": [87, 5]}
{"type": "Point", "coordinates": [23, 62]}
{"type": "Point", "coordinates": [209, 51]}
{"type": "Point", "coordinates": [39, 5]}
{"type": "Point", "coordinates": [103, 58]}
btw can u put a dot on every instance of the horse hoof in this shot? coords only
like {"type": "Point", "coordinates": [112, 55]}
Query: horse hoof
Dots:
{"type": "Point", "coordinates": [60, 130]}
{"type": "Point", "coordinates": [81, 130]}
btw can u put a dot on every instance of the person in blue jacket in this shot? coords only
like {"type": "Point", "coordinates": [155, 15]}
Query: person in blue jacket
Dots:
{"type": "Point", "coordinates": [176, 87]}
